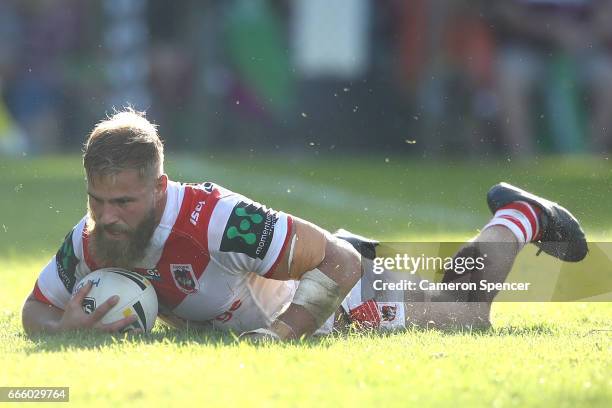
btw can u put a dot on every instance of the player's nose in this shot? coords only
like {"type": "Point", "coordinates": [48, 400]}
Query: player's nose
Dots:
{"type": "Point", "coordinates": [107, 215]}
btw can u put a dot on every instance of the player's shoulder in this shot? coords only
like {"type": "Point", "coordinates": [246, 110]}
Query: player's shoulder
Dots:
{"type": "Point", "coordinates": [206, 189]}
{"type": "Point", "coordinates": [212, 205]}
{"type": "Point", "coordinates": [190, 206]}
{"type": "Point", "coordinates": [223, 199]}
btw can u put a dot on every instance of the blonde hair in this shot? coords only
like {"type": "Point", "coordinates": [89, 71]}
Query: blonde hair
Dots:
{"type": "Point", "coordinates": [124, 141]}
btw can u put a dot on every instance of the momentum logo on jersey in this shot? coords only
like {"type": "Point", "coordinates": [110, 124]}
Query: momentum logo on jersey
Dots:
{"type": "Point", "coordinates": [66, 262]}
{"type": "Point", "coordinates": [249, 230]}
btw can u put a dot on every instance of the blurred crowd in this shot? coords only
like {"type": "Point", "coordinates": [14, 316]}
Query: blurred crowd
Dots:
{"type": "Point", "coordinates": [430, 77]}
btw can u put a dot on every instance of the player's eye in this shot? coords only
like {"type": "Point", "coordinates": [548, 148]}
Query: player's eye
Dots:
{"type": "Point", "coordinates": [124, 202]}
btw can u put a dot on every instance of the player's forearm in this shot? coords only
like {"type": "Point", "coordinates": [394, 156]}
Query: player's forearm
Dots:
{"type": "Point", "coordinates": [37, 317]}
{"type": "Point", "coordinates": [342, 265]}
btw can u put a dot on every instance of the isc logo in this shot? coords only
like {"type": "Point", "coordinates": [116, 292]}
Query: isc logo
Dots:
{"type": "Point", "coordinates": [196, 213]}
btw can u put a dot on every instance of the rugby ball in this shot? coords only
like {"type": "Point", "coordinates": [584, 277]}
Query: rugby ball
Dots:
{"type": "Point", "coordinates": [136, 296]}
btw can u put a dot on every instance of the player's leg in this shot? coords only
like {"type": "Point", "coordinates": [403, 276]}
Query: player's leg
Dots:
{"type": "Point", "coordinates": [392, 309]}
{"type": "Point", "coordinates": [446, 309]}
{"type": "Point", "coordinates": [468, 308]}
{"type": "Point", "coordinates": [519, 218]}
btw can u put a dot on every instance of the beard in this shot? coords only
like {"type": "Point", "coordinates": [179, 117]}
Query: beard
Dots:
{"type": "Point", "coordinates": [122, 253]}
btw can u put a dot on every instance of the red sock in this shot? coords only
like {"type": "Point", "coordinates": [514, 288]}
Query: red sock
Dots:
{"type": "Point", "coordinates": [521, 218]}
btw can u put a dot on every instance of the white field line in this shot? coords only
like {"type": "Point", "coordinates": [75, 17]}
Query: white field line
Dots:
{"type": "Point", "coordinates": [328, 196]}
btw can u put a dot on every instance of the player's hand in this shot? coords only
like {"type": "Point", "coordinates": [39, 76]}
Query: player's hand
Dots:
{"type": "Point", "coordinates": [75, 318]}
{"type": "Point", "coordinates": [259, 335]}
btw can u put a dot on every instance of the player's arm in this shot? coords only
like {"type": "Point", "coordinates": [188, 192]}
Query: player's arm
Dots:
{"type": "Point", "coordinates": [327, 268]}
{"type": "Point", "coordinates": [37, 316]}
{"type": "Point", "coordinates": [40, 317]}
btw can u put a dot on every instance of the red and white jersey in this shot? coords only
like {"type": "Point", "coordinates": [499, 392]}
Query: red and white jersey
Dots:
{"type": "Point", "coordinates": [207, 259]}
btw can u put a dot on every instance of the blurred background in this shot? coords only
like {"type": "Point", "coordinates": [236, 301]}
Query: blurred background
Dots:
{"type": "Point", "coordinates": [511, 79]}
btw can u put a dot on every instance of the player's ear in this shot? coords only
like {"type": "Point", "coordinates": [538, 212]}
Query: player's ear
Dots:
{"type": "Point", "coordinates": [161, 184]}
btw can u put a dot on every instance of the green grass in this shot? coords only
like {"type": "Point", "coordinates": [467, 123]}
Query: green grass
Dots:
{"type": "Point", "coordinates": [537, 354]}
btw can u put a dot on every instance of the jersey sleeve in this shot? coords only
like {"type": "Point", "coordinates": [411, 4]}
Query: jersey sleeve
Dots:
{"type": "Point", "coordinates": [57, 279]}
{"type": "Point", "coordinates": [245, 236]}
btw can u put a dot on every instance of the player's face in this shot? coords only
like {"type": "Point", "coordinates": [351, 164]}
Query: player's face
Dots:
{"type": "Point", "coordinates": [124, 211]}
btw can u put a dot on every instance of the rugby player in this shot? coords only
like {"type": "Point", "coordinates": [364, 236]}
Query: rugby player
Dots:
{"type": "Point", "coordinates": [220, 260]}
